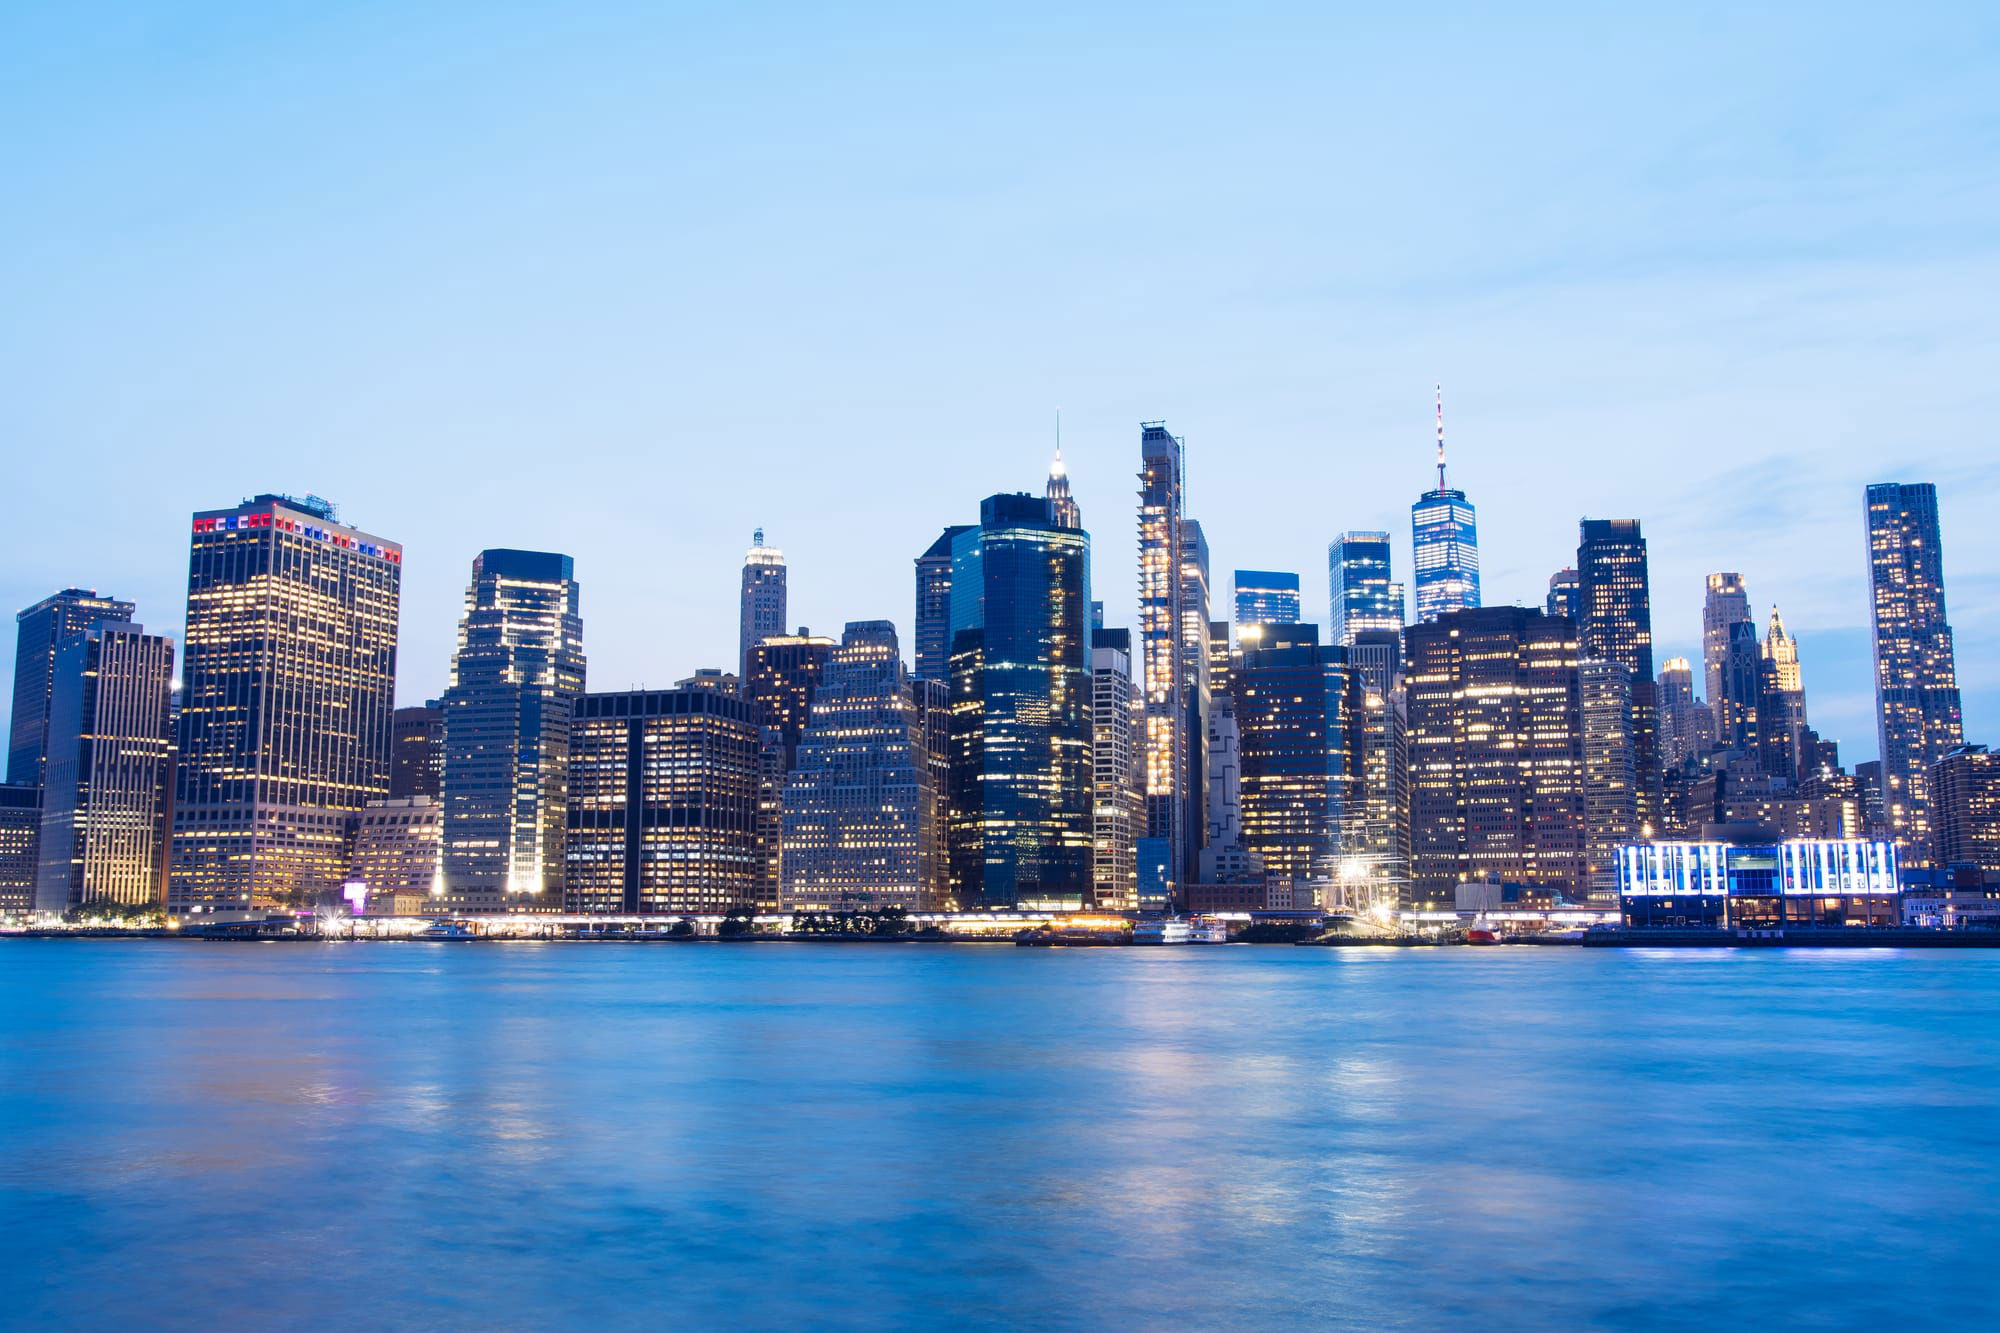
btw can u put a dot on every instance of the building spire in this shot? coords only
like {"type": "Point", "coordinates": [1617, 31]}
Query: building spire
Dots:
{"type": "Point", "coordinates": [1062, 505]}
{"type": "Point", "coordinates": [1440, 412]}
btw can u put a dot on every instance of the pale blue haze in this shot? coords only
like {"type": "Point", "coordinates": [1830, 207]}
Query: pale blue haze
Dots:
{"type": "Point", "coordinates": [797, 1136]}
{"type": "Point", "coordinates": [627, 281]}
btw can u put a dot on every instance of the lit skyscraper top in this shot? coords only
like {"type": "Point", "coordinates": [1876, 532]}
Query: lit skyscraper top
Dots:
{"type": "Point", "coordinates": [1444, 530]}
{"type": "Point", "coordinates": [1363, 596]}
{"type": "Point", "coordinates": [1062, 505]}
{"type": "Point", "coordinates": [763, 599]}
{"type": "Point", "coordinates": [1265, 597]}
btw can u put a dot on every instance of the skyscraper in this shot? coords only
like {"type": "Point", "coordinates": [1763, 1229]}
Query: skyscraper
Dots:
{"type": "Point", "coordinates": [399, 853]}
{"type": "Point", "coordinates": [1375, 845]}
{"type": "Point", "coordinates": [1363, 595]}
{"type": "Point", "coordinates": [515, 678]}
{"type": "Point", "coordinates": [1292, 712]}
{"type": "Point", "coordinates": [1615, 624]}
{"type": "Point", "coordinates": [1610, 770]}
{"type": "Point", "coordinates": [1741, 684]}
{"type": "Point", "coordinates": [1444, 529]}
{"type": "Point", "coordinates": [1020, 699]}
{"type": "Point", "coordinates": [1916, 673]}
{"type": "Point", "coordinates": [1496, 754]}
{"type": "Point", "coordinates": [1118, 809]}
{"type": "Point", "coordinates": [763, 599]}
{"type": "Point", "coordinates": [288, 685]}
{"type": "Point", "coordinates": [1196, 668]}
{"type": "Point", "coordinates": [933, 622]}
{"type": "Point", "coordinates": [784, 673]}
{"type": "Point", "coordinates": [41, 629]}
{"type": "Point", "coordinates": [1781, 703]}
{"type": "Point", "coordinates": [1265, 597]}
{"type": "Point", "coordinates": [416, 752]}
{"type": "Point", "coordinates": [1726, 603]}
{"type": "Point", "coordinates": [860, 815]}
{"type": "Point", "coordinates": [110, 765]}
{"type": "Point", "coordinates": [1062, 505]}
{"type": "Point", "coordinates": [1687, 725]}
{"type": "Point", "coordinates": [662, 803]}
{"type": "Point", "coordinates": [1162, 681]}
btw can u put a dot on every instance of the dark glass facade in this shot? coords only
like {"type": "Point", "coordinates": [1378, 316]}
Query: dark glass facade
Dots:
{"type": "Point", "coordinates": [933, 620]}
{"type": "Point", "coordinates": [1362, 594]}
{"type": "Point", "coordinates": [1293, 709]}
{"type": "Point", "coordinates": [1615, 624]}
{"type": "Point", "coordinates": [416, 753]}
{"type": "Point", "coordinates": [662, 803]}
{"type": "Point", "coordinates": [1265, 597]}
{"type": "Point", "coordinates": [39, 631]}
{"type": "Point", "coordinates": [1020, 824]}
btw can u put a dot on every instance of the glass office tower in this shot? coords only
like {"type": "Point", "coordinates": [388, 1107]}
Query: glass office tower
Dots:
{"type": "Point", "coordinates": [1615, 624]}
{"type": "Point", "coordinates": [1020, 708]}
{"type": "Point", "coordinates": [1160, 663]}
{"type": "Point", "coordinates": [761, 612]}
{"type": "Point", "coordinates": [40, 630]}
{"type": "Point", "coordinates": [1265, 597]}
{"type": "Point", "coordinates": [1292, 710]}
{"type": "Point", "coordinates": [1444, 530]}
{"type": "Point", "coordinates": [1362, 594]}
{"type": "Point", "coordinates": [516, 675]}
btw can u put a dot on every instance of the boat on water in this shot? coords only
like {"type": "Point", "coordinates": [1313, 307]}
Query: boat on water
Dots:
{"type": "Point", "coordinates": [1481, 935]}
{"type": "Point", "coordinates": [1176, 930]}
{"type": "Point", "coordinates": [445, 930]}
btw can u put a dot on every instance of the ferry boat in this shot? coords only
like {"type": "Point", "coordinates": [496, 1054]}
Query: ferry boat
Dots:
{"type": "Point", "coordinates": [445, 930]}
{"type": "Point", "coordinates": [1481, 935]}
{"type": "Point", "coordinates": [1161, 930]}
{"type": "Point", "coordinates": [1203, 930]}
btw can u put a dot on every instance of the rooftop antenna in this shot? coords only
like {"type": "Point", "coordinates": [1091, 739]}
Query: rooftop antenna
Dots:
{"type": "Point", "coordinates": [1440, 405]}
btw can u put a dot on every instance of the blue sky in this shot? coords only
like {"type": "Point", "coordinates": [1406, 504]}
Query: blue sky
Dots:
{"type": "Point", "coordinates": [628, 281]}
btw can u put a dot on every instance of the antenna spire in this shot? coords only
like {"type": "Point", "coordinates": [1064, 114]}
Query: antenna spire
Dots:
{"type": "Point", "coordinates": [1440, 410]}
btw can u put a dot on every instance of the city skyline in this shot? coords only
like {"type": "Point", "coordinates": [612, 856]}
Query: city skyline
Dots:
{"type": "Point", "coordinates": [1719, 317]}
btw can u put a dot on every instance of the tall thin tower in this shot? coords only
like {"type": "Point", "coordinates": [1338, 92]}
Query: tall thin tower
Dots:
{"type": "Point", "coordinates": [1162, 682]}
{"type": "Point", "coordinates": [1444, 531]}
{"type": "Point", "coordinates": [1916, 672]}
{"type": "Point", "coordinates": [763, 599]}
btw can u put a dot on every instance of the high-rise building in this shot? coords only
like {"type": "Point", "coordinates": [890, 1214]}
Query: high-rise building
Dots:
{"type": "Point", "coordinates": [662, 803]}
{"type": "Point", "coordinates": [399, 853]}
{"type": "Point", "coordinates": [1265, 597]}
{"type": "Point", "coordinates": [1292, 710]}
{"type": "Point", "coordinates": [1615, 624]}
{"type": "Point", "coordinates": [1565, 594]}
{"type": "Point", "coordinates": [933, 646]}
{"type": "Point", "coordinates": [1496, 752]}
{"type": "Point", "coordinates": [1363, 596]}
{"type": "Point", "coordinates": [762, 611]}
{"type": "Point", "coordinates": [784, 671]}
{"type": "Point", "coordinates": [1610, 776]}
{"type": "Point", "coordinates": [1965, 807]}
{"type": "Point", "coordinates": [1375, 852]}
{"type": "Point", "coordinates": [515, 678]}
{"type": "Point", "coordinates": [1020, 828]}
{"type": "Point", "coordinates": [1444, 528]}
{"type": "Point", "coordinates": [860, 815]}
{"type": "Point", "coordinates": [1742, 685]}
{"type": "Point", "coordinates": [107, 796]}
{"type": "Point", "coordinates": [40, 630]}
{"type": "Point", "coordinates": [1687, 725]}
{"type": "Point", "coordinates": [416, 752]}
{"type": "Point", "coordinates": [1781, 704]}
{"type": "Point", "coordinates": [20, 829]}
{"type": "Point", "coordinates": [288, 669]}
{"type": "Point", "coordinates": [1726, 603]}
{"type": "Point", "coordinates": [1162, 681]}
{"type": "Point", "coordinates": [1118, 809]}
{"type": "Point", "coordinates": [1916, 672]}
{"type": "Point", "coordinates": [1195, 666]}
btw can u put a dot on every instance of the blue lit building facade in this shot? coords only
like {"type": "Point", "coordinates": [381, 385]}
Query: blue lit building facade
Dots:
{"type": "Point", "coordinates": [1759, 882]}
{"type": "Point", "coordinates": [1020, 810]}
{"type": "Point", "coordinates": [1362, 595]}
{"type": "Point", "coordinates": [1265, 597]}
{"type": "Point", "coordinates": [1444, 529]}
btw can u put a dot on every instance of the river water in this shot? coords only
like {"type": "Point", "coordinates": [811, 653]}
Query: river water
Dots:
{"type": "Point", "coordinates": [203, 1135]}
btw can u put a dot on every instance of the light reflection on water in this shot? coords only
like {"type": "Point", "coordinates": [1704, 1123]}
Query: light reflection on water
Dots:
{"type": "Point", "coordinates": [405, 1135]}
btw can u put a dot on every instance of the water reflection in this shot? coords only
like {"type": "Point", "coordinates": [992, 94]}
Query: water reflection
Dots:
{"type": "Point", "coordinates": [983, 1137]}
